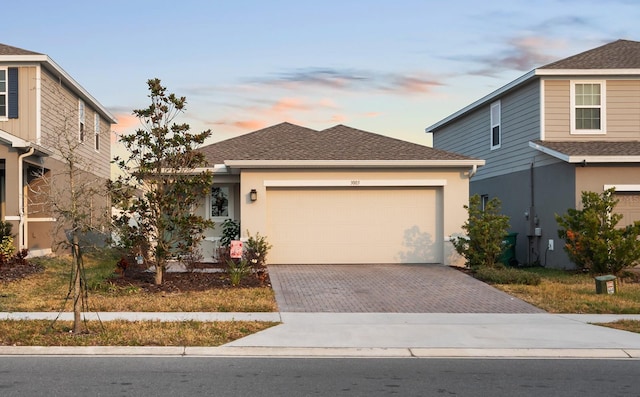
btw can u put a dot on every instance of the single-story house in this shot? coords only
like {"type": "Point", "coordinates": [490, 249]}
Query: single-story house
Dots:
{"type": "Point", "coordinates": [338, 196]}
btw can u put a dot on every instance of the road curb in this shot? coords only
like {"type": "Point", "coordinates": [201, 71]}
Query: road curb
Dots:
{"type": "Point", "coordinates": [317, 352]}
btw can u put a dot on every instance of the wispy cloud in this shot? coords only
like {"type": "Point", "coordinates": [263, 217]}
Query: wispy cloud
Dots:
{"type": "Point", "coordinates": [521, 54]}
{"type": "Point", "coordinates": [350, 80]}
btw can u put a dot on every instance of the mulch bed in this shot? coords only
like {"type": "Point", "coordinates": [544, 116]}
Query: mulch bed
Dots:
{"type": "Point", "coordinates": [186, 281]}
{"type": "Point", "coordinates": [12, 272]}
{"type": "Point", "coordinates": [196, 280]}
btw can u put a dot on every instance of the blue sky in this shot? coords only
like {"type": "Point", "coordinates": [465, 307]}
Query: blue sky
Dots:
{"type": "Point", "coordinates": [390, 67]}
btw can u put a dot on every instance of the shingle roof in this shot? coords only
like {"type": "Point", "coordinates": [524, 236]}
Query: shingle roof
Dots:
{"type": "Point", "coordinates": [620, 54]}
{"type": "Point", "coordinates": [9, 50]}
{"type": "Point", "coordinates": [288, 141]}
{"type": "Point", "coordinates": [593, 148]}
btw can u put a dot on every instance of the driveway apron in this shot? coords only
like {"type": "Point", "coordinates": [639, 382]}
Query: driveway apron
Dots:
{"type": "Point", "coordinates": [387, 288]}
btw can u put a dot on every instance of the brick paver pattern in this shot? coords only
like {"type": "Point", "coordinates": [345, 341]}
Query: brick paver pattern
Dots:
{"type": "Point", "coordinates": [392, 288]}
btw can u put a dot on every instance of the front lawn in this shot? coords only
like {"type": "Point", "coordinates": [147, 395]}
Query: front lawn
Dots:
{"type": "Point", "coordinates": [563, 291]}
{"type": "Point", "coordinates": [108, 291]}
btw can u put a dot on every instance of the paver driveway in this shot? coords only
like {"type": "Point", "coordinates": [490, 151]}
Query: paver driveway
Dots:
{"type": "Point", "coordinates": [387, 288]}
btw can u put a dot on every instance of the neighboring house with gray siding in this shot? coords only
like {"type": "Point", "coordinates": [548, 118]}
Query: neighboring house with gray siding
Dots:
{"type": "Point", "coordinates": [561, 129]}
{"type": "Point", "coordinates": [40, 106]}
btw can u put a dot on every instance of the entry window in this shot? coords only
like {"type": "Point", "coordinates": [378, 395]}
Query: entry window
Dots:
{"type": "Point", "coordinates": [221, 202]}
{"type": "Point", "coordinates": [96, 132]}
{"type": "Point", "coordinates": [588, 107]}
{"type": "Point", "coordinates": [496, 127]}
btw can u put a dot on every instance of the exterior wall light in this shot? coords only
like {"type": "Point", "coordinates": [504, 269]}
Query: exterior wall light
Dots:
{"type": "Point", "coordinates": [253, 195]}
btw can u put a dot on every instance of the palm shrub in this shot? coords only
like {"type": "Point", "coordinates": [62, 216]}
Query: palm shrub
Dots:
{"type": "Point", "coordinates": [486, 229]}
{"type": "Point", "coordinates": [592, 240]}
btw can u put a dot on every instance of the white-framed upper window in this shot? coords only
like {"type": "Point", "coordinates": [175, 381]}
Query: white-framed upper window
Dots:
{"type": "Point", "coordinates": [220, 202]}
{"type": "Point", "coordinates": [96, 132]}
{"type": "Point", "coordinates": [3, 93]}
{"type": "Point", "coordinates": [81, 121]}
{"type": "Point", "coordinates": [588, 107]}
{"type": "Point", "coordinates": [496, 126]}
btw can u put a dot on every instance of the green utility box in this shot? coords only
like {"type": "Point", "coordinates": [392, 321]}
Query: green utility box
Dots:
{"type": "Point", "coordinates": [508, 257]}
{"type": "Point", "coordinates": [606, 285]}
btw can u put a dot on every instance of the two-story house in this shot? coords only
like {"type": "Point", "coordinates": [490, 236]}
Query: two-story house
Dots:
{"type": "Point", "coordinates": [561, 129]}
{"type": "Point", "coordinates": [43, 113]}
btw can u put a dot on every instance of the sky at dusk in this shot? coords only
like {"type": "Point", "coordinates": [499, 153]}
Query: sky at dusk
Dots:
{"type": "Point", "coordinates": [389, 67]}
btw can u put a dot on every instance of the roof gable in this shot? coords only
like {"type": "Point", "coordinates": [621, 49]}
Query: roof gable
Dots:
{"type": "Point", "coordinates": [620, 54]}
{"type": "Point", "coordinates": [288, 141]}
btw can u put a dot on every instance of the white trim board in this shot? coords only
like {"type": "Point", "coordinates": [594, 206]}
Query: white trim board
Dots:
{"type": "Point", "coordinates": [354, 182]}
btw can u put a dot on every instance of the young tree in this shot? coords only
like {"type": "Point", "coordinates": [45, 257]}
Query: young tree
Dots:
{"type": "Point", "coordinates": [485, 230]}
{"type": "Point", "coordinates": [592, 240]}
{"type": "Point", "coordinates": [161, 183]}
{"type": "Point", "coordinates": [71, 192]}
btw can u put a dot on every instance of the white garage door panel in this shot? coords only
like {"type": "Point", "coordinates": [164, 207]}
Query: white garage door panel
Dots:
{"type": "Point", "coordinates": [353, 225]}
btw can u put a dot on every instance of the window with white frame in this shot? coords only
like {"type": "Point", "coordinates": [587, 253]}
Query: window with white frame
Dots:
{"type": "Point", "coordinates": [221, 202]}
{"type": "Point", "coordinates": [81, 123]}
{"type": "Point", "coordinates": [3, 92]}
{"type": "Point", "coordinates": [496, 127]}
{"type": "Point", "coordinates": [96, 132]}
{"type": "Point", "coordinates": [587, 107]}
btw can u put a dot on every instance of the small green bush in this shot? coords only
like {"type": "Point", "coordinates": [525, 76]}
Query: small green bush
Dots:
{"type": "Point", "coordinates": [237, 270]}
{"type": "Point", "coordinates": [256, 249]}
{"type": "Point", "coordinates": [593, 240]}
{"type": "Point", "coordinates": [485, 231]}
{"type": "Point", "coordinates": [506, 275]}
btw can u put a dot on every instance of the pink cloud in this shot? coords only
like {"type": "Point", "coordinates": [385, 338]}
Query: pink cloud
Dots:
{"type": "Point", "coordinates": [250, 125]}
{"type": "Point", "coordinates": [287, 104]}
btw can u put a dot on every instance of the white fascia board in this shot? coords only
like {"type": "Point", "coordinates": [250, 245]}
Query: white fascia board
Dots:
{"type": "Point", "coordinates": [74, 85]}
{"type": "Point", "coordinates": [13, 140]}
{"type": "Point", "coordinates": [588, 72]}
{"type": "Point", "coordinates": [216, 169]}
{"type": "Point", "coordinates": [585, 159]}
{"type": "Point", "coordinates": [352, 163]}
{"type": "Point", "coordinates": [485, 99]}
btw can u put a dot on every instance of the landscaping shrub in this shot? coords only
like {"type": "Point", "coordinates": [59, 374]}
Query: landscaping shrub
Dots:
{"type": "Point", "coordinates": [592, 240]}
{"type": "Point", "coordinates": [485, 230]}
{"type": "Point", "coordinates": [506, 275]}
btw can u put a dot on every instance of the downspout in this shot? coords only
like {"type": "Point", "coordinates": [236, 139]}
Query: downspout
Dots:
{"type": "Point", "coordinates": [21, 233]}
{"type": "Point", "coordinates": [473, 171]}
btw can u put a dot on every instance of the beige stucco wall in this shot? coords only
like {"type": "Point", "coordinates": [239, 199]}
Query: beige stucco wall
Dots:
{"type": "Point", "coordinates": [593, 178]}
{"type": "Point", "coordinates": [622, 111]}
{"type": "Point", "coordinates": [454, 195]}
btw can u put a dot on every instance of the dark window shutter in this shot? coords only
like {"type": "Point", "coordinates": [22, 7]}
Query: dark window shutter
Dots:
{"type": "Point", "coordinates": [13, 92]}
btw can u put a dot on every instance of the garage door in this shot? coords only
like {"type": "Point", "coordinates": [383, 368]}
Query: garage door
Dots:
{"type": "Point", "coordinates": [628, 206]}
{"type": "Point", "coordinates": [354, 225]}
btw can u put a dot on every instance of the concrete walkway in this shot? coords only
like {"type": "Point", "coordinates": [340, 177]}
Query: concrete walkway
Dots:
{"type": "Point", "coordinates": [539, 335]}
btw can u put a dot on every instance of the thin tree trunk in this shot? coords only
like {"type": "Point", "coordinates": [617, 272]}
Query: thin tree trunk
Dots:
{"type": "Point", "coordinates": [77, 289]}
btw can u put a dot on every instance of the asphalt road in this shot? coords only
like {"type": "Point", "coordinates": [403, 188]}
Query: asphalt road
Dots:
{"type": "Point", "coordinates": [182, 376]}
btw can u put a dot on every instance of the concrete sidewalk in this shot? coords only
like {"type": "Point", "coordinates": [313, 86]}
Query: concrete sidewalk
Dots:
{"type": "Point", "coordinates": [538, 335]}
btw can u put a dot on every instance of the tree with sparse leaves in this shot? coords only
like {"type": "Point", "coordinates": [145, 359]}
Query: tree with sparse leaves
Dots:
{"type": "Point", "coordinates": [76, 197]}
{"type": "Point", "coordinates": [162, 182]}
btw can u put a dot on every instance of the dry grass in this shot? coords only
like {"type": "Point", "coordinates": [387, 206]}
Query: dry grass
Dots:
{"type": "Point", "coordinates": [570, 292]}
{"type": "Point", "coordinates": [624, 325]}
{"type": "Point", "coordinates": [123, 333]}
{"type": "Point", "coordinates": [47, 291]}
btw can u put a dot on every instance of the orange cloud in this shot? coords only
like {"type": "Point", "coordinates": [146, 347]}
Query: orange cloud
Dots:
{"type": "Point", "coordinates": [338, 118]}
{"type": "Point", "coordinates": [286, 104]}
{"type": "Point", "coordinates": [249, 124]}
